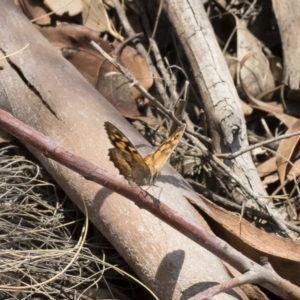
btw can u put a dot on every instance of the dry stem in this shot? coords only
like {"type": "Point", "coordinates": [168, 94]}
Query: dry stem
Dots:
{"type": "Point", "coordinates": [144, 200]}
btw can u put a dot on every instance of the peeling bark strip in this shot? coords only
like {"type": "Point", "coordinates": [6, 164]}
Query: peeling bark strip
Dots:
{"type": "Point", "coordinates": [252, 272]}
{"type": "Point", "coordinates": [220, 100]}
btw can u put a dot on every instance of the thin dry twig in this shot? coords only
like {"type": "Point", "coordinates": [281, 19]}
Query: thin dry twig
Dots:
{"type": "Point", "coordinates": [234, 206]}
{"type": "Point", "coordinates": [134, 82]}
{"type": "Point", "coordinates": [129, 30]}
{"type": "Point", "coordinates": [213, 160]}
{"type": "Point", "coordinates": [155, 50]}
{"type": "Point", "coordinates": [260, 144]}
{"type": "Point", "coordinates": [144, 200]}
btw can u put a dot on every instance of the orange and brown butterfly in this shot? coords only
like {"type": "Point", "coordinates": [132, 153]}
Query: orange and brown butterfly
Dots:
{"type": "Point", "coordinates": [135, 168]}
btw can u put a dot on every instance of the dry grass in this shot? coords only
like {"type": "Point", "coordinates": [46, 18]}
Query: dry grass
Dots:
{"type": "Point", "coordinates": [48, 250]}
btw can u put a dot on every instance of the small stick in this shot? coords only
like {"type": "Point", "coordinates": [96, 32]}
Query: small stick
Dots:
{"type": "Point", "coordinates": [135, 83]}
{"type": "Point", "coordinates": [214, 161]}
{"type": "Point", "coordinates": [130, 32]}
{"type": "Point", "coordinates": [260, 144]}
{"type": "Point", "coordinates": [143, 199]}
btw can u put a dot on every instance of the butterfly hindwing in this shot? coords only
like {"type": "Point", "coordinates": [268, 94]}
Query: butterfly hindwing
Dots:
{"type": "Point", "coordinates": [126, 158]}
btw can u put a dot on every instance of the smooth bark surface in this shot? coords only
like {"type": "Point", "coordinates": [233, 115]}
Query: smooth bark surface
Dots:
{"type": "Point", "coordinates": [39, 87]}
{"type": "Point", "coordinates": [220, 100]}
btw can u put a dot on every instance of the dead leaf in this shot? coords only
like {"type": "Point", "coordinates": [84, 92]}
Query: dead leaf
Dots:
{"type": "Point", "coordinates": [5, 137]}
{"type": "Point", "coordinates": [137, 65]}
{"type": "Point", "coordinates": [272, 108]}
{"type": "Point", "coordinates": [34, 9]}
{"type": "Point", "coordinates": [115, 87]}
{"type": "Point", "coordinates": [289, 151]}
{"type": "Point", "coordinates": [268, 171]}
{"type": "Point", "coordinates": [247, 109]}
{"type": "Point", "coordinates": [60, 7]}
{"type": "Point", "coordinates": [256, 73]}
{"type": "Point", "coordinates": [74, 41]}
{"type": "Point", "coordinates": [282, 253]}
{"type": "Point", "coordinates": [267, 167]}
{"type": "Point", "coordinates": [96, 18]}
{"type": "Point", "coordinates": [270, 179]}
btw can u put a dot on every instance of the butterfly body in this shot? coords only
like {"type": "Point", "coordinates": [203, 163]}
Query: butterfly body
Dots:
{"type": "Point", "coordinates": [135, 168]}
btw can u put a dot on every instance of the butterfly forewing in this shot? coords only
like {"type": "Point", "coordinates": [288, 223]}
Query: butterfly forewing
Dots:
{"type": "Point", "coordinates": [157, 159]}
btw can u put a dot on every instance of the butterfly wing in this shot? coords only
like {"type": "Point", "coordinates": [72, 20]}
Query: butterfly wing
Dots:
{"type": "Point", "coordinates": [159, 157]}
{"type": "Point", "coordinates": [126, 158]}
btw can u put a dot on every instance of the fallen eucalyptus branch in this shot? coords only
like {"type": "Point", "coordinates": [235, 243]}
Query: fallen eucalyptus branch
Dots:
{"type": "Point", "coordinates": [257, 274]}
{"type": "Point", "coordinates": [214, 161]}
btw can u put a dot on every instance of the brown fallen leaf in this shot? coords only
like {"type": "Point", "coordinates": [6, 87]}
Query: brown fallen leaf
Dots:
{"type": "Point", "coordinates": [247, 109]}
{"type": "Point", "coordinates": [256, 73]}
{"type": "Point", "coordinates": [95, 17]}
{"type": "Point", "coordinates": [273, 108]}
{"type": "Point", "coordinates": [137, 65]}
{"type": "Point", "coordinates": [282, 253]}
{"type": "Point", "coordinates": [61, 7]}
{"type": "Point", "coordinates": [34, 9]}
{"type": "Point", "coordinates": [115, 87]}
{"type": "Point", "coordinates": [270, 179]}
{"type": "Point", "coordinates": [74, 41]}
{"type": "Point", "coordinates": [267, 167]}
{"type": "Point", "coordinates": [267, 171]}
{"type": "Point", "coordinates": [289, 151]}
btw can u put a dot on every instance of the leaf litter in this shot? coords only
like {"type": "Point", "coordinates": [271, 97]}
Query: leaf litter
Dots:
{"type": "Point", "coordinates": [42, 251]}
{"type": "Point", "coordinates": [256, 69]}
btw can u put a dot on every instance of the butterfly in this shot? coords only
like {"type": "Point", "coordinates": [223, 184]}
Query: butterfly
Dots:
{"type": "Point", "coordinates": [135, 168]}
